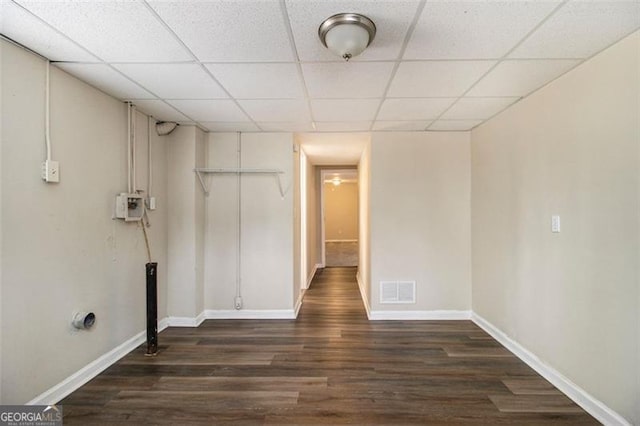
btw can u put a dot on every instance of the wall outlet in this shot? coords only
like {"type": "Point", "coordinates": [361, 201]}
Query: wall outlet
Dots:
{"type": "Point", "coordinates": [555, 223]}
{"type": "Point", "coordinates": [238, 302]}
{"type": "Point", "coordinates": [50, 171]}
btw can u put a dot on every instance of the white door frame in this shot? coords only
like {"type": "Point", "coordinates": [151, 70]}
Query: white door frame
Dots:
{"type": "Point", "coordinates": [323, 174]}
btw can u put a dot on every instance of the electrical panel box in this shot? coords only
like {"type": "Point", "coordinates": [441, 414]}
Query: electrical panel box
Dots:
{"type": "Point", "coordinates": [129, 207]}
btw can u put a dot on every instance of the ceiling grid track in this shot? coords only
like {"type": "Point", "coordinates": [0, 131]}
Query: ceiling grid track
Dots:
{"type": "Point", "coordinates": [200, 64]}
{"type": "Point", "coordinates": [100, 61]}
{"type": "Point", "coordinates": [294, 51]}
{"type": "Point", "coordinates": [398, 60]}
{"type": "Point", "coordinates": [436, 66]}
{"type": "Point", "coordinates": [499, 61]}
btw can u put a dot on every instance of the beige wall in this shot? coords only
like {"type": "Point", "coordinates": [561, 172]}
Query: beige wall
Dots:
{"type": "Point", "coordinates": [341, 211]}
{"type": "Point", "coordinates": [185, 222]}
{"type": "Point", "coordinates": [364, 228]}
{"type": "Point", "coordinates": [221, 252]}
{"type": "Point", "coordinates": [571, 298]}
{"type": "Point", "coordinates": [2, 47]}
{"type": "Point", "coordinates": [297, 226]}
{"type": "Point", "coordinates": [61, 249]}
{"type": "Point", "coordinates": [313, 222]}
{"type": "Point", "coordinates": [267, 246]}
{"type": "Point", "coordinates": [420, 217]}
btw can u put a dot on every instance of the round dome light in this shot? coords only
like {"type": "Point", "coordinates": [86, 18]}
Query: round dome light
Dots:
{"type": "Point", "coordinates": [347, 34]}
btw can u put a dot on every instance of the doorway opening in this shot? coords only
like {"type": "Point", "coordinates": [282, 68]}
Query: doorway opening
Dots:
{"type": "Point", "coordinates": [340, 225]}
{"type": "Point", "coordinates": [325, 157]}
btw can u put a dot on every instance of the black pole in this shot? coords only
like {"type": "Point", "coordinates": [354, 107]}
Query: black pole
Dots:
{"type": "Point", "coordinates": [152, 308]}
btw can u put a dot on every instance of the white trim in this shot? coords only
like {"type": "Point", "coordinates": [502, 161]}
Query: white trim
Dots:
{"type": "Point", "coordinates": [200, 318]}
{"type": "Point", "coordinates": [420, 315]}
{"type": "Point", "coordinates": [186, 321]}
{"type": "Point", "coordinates": [363, 294]}
{"type": "Point", "coordinates": [162, 324]}
{"type": "Point", "coordinates": [58, 392]}
{"type": "Point", "coordinates": [251, 314]}
{"type": "Point", "coordinates": [340, 241]}
{"type": "Point", "coordinates": [591, 405]}
{"type": "Point", "coordinates": [235, 314]}
{"type": "Point", "coordinates": [296, 309]}
{"type": "Point", "coordinates": [312, 274]}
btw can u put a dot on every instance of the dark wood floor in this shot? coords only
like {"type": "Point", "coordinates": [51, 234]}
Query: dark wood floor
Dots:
{"type": "Point", "coordinates": [329, 366]}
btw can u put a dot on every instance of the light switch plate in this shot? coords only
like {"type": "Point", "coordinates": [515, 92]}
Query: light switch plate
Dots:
{"type": "Point", "coordinates": [555, 223]}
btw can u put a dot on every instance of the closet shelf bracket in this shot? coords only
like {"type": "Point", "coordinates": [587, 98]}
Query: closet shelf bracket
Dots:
{"type": "Point", "coordinates": [204, 170]}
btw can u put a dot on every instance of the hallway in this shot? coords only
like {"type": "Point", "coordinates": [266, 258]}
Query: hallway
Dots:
{"type": "Point", "coordinates": [341, 253]}
{"type": "Point", "coordinates": [329, 366]}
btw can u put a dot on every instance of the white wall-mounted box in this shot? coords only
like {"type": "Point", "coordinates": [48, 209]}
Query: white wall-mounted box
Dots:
{"type": "Point", "coordinates": [129, 207]}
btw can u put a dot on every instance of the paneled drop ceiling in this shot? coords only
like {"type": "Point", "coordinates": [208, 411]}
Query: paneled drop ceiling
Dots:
{"type": "Point", "coordinates": [249, 65]}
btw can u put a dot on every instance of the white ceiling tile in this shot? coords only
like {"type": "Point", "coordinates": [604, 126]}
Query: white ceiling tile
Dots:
{"type": "Point", "coordinates": [347, 79]}
{"type": "Point", "coordinates": [21, 26]}
{"type": "Point", "coordinates": [414, 109]}
{"type": "Point", "coordinates": [334, 148]}
{"type": "Point", "coordinates": [344, 109]}
{"type": "Point", "coordinates": [112, 30]}
{"type": "Point", "coordinates": [214, 126]}
{"type": "Point", "coordinates": [174, 81]}
{"type": "Point", "coordinates": [259, 81]}
{"type": "Point", "coordinates": [276, 109]}
{"type": "Point", "coordinates": [343, 126]}
{"type": "Point", "coordinates": [286, 126]}
{"type": "Point", "coordinates": [159, 110]}
{"type": "Point", "coordinates": [400, 125]}
{"type": "Point", "coordinates": [242, 31]}
{"type": "Point", "coordinates": [436, 78]}
{"type": "Point", "coordinates": [581, 28]}
{"type": "Point", "coordinates": [474, 29]}
{"type": "Point", "coordinates": [477, 108]}
{"type": "Point", "coordinates": [210, 110]}
{"type": "Point", "coordinates": [520, 77]}
{"type": "Point", "coordinates": [391, 17]}
{"type": "Point", "coordinates": [454, 125]}
{"type": "Point", "coordinates": [106, 79]}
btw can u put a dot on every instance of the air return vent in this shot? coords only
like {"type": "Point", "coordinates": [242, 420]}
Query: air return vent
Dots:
{"type": "Point", "coordinates": [397, 292]}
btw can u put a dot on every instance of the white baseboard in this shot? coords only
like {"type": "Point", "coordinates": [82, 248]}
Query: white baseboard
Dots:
{"type": "Point", "coordinates": [419, 315]}
{"type": "Point", "coordinates": [186, 321]}
{"type": "Point", "coordinates": [234, 314]}
{"type": "Point", "coordinates": [162, 324]}
{"type": "Point", "coordinates": [296, 309]}
{"type": "Point", "coordinates": [363, 294]}
{"type": "Point", "coordinates": [312, 274]}
{"type": "Point", "coordinates": [590, 404]}
{"type": "Point", "coordinates": [251, 314]}
{"type": "Point", "coordinates": [58, 392]}
{"type": "Point", "coordinates": [340, 241]}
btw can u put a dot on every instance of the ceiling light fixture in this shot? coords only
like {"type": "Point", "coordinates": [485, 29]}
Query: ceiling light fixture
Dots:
{"type": "Point", "coordinates": [336, 181]}
{"type": "Point", "coordinates": [347, 34]}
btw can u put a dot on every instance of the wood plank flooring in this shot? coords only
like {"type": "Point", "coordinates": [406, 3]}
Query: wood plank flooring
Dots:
{"type": "Point", "coordinates": [330, 366]}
